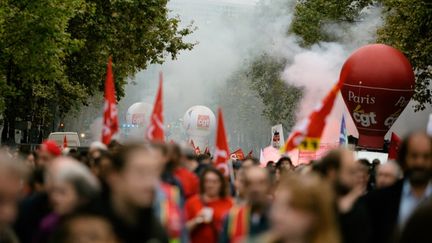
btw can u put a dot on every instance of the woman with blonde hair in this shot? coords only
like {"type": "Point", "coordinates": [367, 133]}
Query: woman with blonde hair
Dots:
{"type": "Point", "coordinates": [303, 212]}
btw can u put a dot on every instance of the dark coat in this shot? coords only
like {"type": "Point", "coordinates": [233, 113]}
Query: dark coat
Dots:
{"type": "Point", "coordinates": [31, 212]}
{"type": "Point", "coordinates": [147, 229]}
{"type": "Point", "coordinates": [383, 210]}
{"type": "Point", "coordinates": [354, 225]}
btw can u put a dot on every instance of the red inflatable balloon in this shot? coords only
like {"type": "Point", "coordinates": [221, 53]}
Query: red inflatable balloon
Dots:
{"type": "Point", "coordinates": [378, 84]}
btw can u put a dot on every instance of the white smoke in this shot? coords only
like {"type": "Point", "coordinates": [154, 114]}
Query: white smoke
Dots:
{"type": "Point", "coordinates": [318, 68]}
{"type": "Point", "coordinates": [225, 42]}
{"type": "Point", "coordinates": [231, 32]}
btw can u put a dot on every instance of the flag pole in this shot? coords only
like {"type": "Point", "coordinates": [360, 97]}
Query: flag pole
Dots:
{"type": "Point", "coordinates": [231, 170]}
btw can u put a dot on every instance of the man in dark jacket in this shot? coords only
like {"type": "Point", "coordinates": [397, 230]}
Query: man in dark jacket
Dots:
{"type": "Point", "coordinates": [340, 169]}
{"type": "Point", "coordinates": [133, 180]}
{"type": "Point", "coordinates": [258, 187]}
{"type": "Point", "coordinates": [36, 206]}
{"type": "Point", "coordinates": [390, 207]}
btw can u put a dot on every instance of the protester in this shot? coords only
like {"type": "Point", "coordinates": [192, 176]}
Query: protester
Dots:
{"type": "Point", "coordinates": [285, 163]}
{"type": "Point", "coordinates": [204, 159]}
{"type": "Point", "coordinates": [48, 151]}
{"type": "Point", "coordinates": [71, 185]}
{"type": "Point", "coordinates": [168, 177]}
{"type": "Point", "coordinates": [36, 182]}
{"type": "Point", "coordinates": [150, 193]}
{"type": "Point", "coordinates": [341, 170]}
{"type": "Point", "coordinates": [272, 171]}
{"type": "Point", "coordinates": [302, 212]}
{"type": "Point", "coordinates": [240, 187]}
{"type": "Point", "coordinates": [12, 173]}
{"type": "Point", "coordinates": [85, 228]}
{"type": "Point", "coordinates": [389, 208]}
{"type": "Point", "coordinates": [133, 180]}
{"type": "Point", "coordinates": [270, 165]}
{"type": "Point", "coordinates": [189, 160]}
{"type": "Point", "coordinates": [283, 167]}
{"type": "Point", "coordinates": [205, 211]}
{"type": "Point", "coordinates": [250, 162]}
{"type": "Point", "coordinates": [31, 159]}
{"type": "Point", "coordinates": [373, 172]}
{"type": "Point", "coordinates": [255, 212]}
{"type": "Point", "coordinates": [169, 202]}
{"type": "Point", "coordinates": [363, 174]}
{"type": "Point", "coordinates": [101, 165]}
{"type": "Point", "coordinates": [187, 179]}
{"type": "Point", "coordinates": [96, 149]}
{"type": "Point", "coordinates": [36, 206]}
{"type": "Point", "coordinates": [387, 174]}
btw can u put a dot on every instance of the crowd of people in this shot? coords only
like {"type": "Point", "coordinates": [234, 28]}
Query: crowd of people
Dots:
{"type": "Point", "coordinates": [153, 192]}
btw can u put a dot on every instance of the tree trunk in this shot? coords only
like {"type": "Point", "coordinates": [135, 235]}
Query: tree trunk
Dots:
{"type": "Point", "coordinates": [8, 133]}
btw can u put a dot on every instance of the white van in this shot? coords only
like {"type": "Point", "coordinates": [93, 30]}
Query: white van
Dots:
{"type": "Point", "coordinates": [71, 138]}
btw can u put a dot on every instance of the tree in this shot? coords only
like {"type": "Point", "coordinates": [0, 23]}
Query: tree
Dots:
{"type": "Point", "coordinates": [256, 98]}
{"type": "Point", "coordinates": [311, 16]}
{"type": "Point", "coordinates": [53, 53]}
{"type": "Point", "coordinates": [245, 123]}
{"type": "Point", "coordinates": [280, 99]}
{"type": "Point", "coordinates": [136, 33]}
{"type": "Point", "coordinates": [33, 45]}
{"type": "Point", "coordinates": [407, 27]}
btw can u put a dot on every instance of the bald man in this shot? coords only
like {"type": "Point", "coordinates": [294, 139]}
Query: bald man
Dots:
{"type": "Point", "coordinates": [387, 174]}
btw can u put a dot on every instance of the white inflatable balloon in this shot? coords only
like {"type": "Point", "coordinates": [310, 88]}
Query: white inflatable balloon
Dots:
{"type": "Point", "coordinates": [199, 121]}
{"type": "Point", "coordinates": [139, 114]}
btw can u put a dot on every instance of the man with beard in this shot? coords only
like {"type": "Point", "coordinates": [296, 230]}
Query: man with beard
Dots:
{"type": "Point", "coordinates": [251, 218]}
{"type": "Point", "coordinates": [390, 208]}
{"type": "Point", "coordinates": [341, 170]}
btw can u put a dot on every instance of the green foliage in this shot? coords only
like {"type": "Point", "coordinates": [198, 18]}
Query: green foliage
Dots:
{"type": "Point", "coordinates": [408, 28]}
{"type": "Point", "coordinates": [33, 46]}
{"type": "Point", "coordinates": [247, 127]}
{"type": "Point", "coordinates": [136, 33]}
{"type": "Point", "coordinates": [312, 15]}
{"type": "Point", "coordinates": [53, 53]}
{"type": "Point", "coordinates": [279, 98]}
{"type": "Point", "coordinates": [261, 99]}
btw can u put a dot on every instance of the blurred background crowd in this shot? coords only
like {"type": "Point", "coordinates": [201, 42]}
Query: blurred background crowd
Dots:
{"type": "Point", "coordinates": [153, 192]}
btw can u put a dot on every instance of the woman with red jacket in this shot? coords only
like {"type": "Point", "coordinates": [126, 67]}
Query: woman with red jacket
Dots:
{"type": "Point", "coordinates": [205, 211]}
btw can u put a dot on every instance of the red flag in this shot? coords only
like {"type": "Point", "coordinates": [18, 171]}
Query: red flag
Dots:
{"type": "Point", "coordinates": [65, 143]}
{"type": "Point", "coordinates": [192, 144]}
{"type": "Point", "coordinates": [393, 150]}
{"type": "Point", "coordinates": [110, 119]}
{"type": "Point", "coordinates": [155, 131]}
{"type": "Point", "coordinates": [221, 155]}
{"type": "Point", "coordinates": [207, 150]}
{"type": "Point", "coordinates": [238, 154]}
{"type": "Point", "coordinates": [197, 151]}
{"type": "Point", "coordinates": [250, 154]}
{"type": "Point", "coordinates": [308, 133]}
